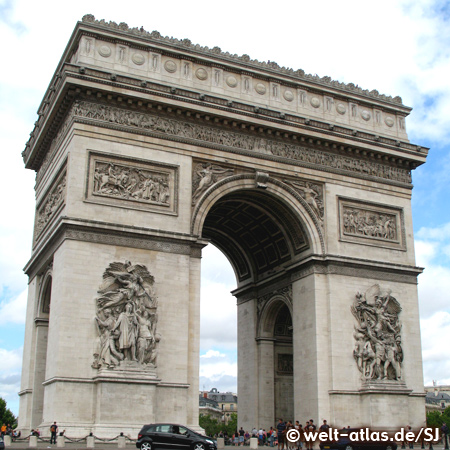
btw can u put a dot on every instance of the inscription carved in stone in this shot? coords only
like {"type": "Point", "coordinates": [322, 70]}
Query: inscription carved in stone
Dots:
{"type": "Point", "coordinates": [126, 318]}
{"type": "Point", "coordinates": [204, 176]}
{"type": "Point", "coordinates": [53, 200]}
{"type": "Point", "coordinates": [378, 345]}
{"type": "Point", "coordinates": [190, 131]}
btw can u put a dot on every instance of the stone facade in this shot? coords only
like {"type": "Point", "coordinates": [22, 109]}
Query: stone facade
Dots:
{"type": "Point", "coordinates": [146, 149]}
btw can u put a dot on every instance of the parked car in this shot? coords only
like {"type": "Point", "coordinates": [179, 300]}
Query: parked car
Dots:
{"type": "Point", "coordinates": [173, 436]}
{"type": "Point", "coordinates": [2, 443]}
{"type": "Point", "coordinates": [345, 443]}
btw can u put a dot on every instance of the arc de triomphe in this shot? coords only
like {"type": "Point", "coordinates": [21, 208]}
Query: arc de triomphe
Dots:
{"type": "Point", "coordinates": [147, 148]}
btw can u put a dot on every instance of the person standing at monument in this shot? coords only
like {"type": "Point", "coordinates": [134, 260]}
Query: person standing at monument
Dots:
{"type": "Point", "coordinates": [310, 428]}
{"type": "Point", "coordinates": [53, 431]}
{"type": "Point", "coordinates": [281, 428]}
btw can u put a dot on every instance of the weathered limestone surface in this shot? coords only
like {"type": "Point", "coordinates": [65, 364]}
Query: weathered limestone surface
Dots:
{"type": "Point", "coordinates": [146, 149]}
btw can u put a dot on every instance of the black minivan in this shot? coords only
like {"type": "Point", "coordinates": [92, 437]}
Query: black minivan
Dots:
{"type": "Point", "coordinates": [168, 435]}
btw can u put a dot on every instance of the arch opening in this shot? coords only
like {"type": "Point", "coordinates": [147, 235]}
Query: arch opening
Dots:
{"type": "Point", "coordinates": [41, 323]}
{"type": "Point", "coordinates": [262, 235]}
{"type": "Point", "coordinates": [256, 231]}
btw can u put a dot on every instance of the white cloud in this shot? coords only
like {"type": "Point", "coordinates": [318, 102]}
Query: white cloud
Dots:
{"type": "Point", "coordinates": [435, 332]}
{"type": "Point", "coordinates": [14, 311]}
{"type": "Point", "coordinates": [11, 360]}
{"type": "Point", "coordinates": [213, 354]}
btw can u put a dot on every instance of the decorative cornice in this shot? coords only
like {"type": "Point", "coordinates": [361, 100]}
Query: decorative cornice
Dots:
{"type": "Point", "coordinates": [355, 267]}
{"type": "Point", "coordinates": [243, 60]}
{"type": "Point", "coordinates": [104, 233]}
{"type": "Point", "coordinates": [277, 150]}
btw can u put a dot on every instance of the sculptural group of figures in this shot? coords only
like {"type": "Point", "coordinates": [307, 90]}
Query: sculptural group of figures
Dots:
{"type": "Point", "coordinates": [365, 223]}
{"type": "Point", "coordinates": [126, 317]}
{"type": "Point", "coordinates": [378, 349]}
{"type": "Point", "coordinates": [130, 183]}
{"type": "Point", "coordinates": [50, 206]}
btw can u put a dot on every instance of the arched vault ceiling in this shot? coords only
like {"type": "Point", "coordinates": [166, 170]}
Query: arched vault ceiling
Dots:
{"type": "Point", "coordinates": [256, 231]}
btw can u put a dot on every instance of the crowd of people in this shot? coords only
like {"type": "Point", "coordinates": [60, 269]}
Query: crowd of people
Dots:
{"type": "Point", "coordinates": [276, 436]}
{"type": "Point", "coordinates": [7, 430]}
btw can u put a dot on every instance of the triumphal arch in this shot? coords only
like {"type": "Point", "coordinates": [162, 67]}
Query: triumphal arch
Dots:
{"type": "Point", "coordinates": [147, 148]}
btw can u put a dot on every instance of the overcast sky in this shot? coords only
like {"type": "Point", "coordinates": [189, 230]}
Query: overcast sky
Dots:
{"type": "Point", "coordinates": [397, 47]}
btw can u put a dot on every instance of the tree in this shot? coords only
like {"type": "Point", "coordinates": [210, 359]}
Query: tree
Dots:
{"type": "Point", "coordinates": [231, 427]}
{"type": "Point", "coordinates": [435, 419]}
{"type": "Point", "coordinates": [210, 425]}
{"type": "Point", "coordinates": [6, 415]}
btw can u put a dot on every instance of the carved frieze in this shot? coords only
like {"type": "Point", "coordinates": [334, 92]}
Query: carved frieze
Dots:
{"type": "Point", "coordinates": [193, 133]}
{"type": "Point", "coordinates": [52, 203]}
{"type": "Point", "coordinates": [378, 344]}
{"type": "Point", "coordinates": [205, 175]}
{"type": "Point", "coordinates": [134, 183]}
{"type": "Point", "coordinates": [126, 318]}
{"type": "Point", "coordinates": [371, 224]}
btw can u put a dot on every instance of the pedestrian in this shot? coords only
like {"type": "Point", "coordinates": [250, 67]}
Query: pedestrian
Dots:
{"type": "Point", "coordinates": [53, 431]}
{"type": "Point", "coordinates": [3, 430]}
{"type": "Point", "coordinates": [324, 427]}
{"type": "Point", "coordinates": [260, 436]}
{"type": "Point", "coordinates": [310, 428]}
{"type": "Point", "coordinates": [445, 430]}
{"type": "Point", "coordinates": [281, 428]}
{"type": "Point", "coordinates": [241, 436]}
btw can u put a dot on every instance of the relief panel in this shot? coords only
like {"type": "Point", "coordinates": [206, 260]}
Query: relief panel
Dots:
{"type": "Point", "coordinates": [51, 204]}
{"type": "Point", "coordinates": [371, 224]}
{"type": "Point", "coordinates": [132, 183]}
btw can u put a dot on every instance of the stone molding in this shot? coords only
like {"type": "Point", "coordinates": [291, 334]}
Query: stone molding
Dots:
{"type": "Point", "coordinates": [216, 52]}
{"type": "Point", "coordinates": [285, 293]}
{"type": "Point", "coordinates": [369, 223]}
{"type": "Point", "coordinates": [132, 183]}
{"type": "Point", "coordinates": [90, 231]}
{"type": "Point", "coordinates": [360, 268]}
{"type": "Point", "coordinates": [191, 133]}
{"type": "Point", "coordinates": [244, 109]}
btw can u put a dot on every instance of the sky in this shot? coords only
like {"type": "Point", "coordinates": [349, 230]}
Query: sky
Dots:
{"type": "Point", "coordinates": [399, 47]}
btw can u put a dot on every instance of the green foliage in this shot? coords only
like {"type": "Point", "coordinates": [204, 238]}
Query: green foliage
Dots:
{"type": "Point", "coordinates": [434, 419]}
{"type": "Point", "coordinates": [232, 425]}
{"type": "Point", "coordinates": [6, 415]}
{"type": "Point", "coordinates": [213, 427]}
{"type": "Point", "coordinates": [437, 418]}
{"type": "Point", "coordinates": [210, 425]}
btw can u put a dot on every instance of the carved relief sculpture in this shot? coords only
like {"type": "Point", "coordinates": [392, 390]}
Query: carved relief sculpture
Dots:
{"type": "Point", "coordinates": [51, 203]}
{"type": "Point", "coordinates": [285, 364]}
{"type": "Point", "coordinates": [189, 131]}
{"type": "Point", "coordinates": [130, 183]}
{"type": "Point", "coordinates": [371, 224]}
{"type": "Point", "coordinates": [133, 183]}
{"type": "Point", "coordinates": [126, 318]}
{"type": "Point", "coordinates": [360, 222]}
{"type": "Point", "coordinates": [204, 176]}
{"type": "Point", "coordinates": [378, 346]}
{"type": "Point", "coordinates": [313, 195]}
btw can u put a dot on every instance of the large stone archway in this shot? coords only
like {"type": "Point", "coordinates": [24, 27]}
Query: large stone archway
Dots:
{"type": "Point", "coordinates": [146, 149]}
